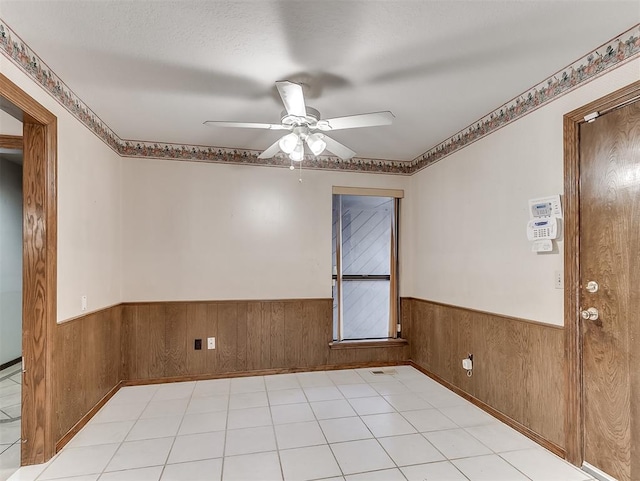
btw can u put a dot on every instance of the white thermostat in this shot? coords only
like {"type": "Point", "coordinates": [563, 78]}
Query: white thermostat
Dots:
{"type": "Point", "coordinates": [545, 207]}
{"type": "Point", "coordinates": [542, 227]}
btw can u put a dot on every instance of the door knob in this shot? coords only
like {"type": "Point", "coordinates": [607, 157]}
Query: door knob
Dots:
{"type": "Point", "coordinates": [590, 314]}
{"type": "Point", "coordinates": [592, 286]}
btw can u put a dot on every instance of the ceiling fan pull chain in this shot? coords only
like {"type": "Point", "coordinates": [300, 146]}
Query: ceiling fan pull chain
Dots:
{"type": "Point", "coordinates": [300, 178]}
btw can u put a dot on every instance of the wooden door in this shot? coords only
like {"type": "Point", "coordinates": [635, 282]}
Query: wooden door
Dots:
{"type": "Point", "coordinates": [610, 256]}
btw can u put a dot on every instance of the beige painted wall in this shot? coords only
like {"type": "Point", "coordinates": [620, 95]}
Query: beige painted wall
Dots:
{"type": "Point", "coordinates": [211, 231]}
{"type": "Point", "coordinates": [89, 204]}
{"type": "Point", "coordinates": [470, 211]}
{"type": "Point", "coordinates": [208, 231]}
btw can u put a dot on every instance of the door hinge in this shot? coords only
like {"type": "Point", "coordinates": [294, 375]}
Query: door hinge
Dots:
{"type": "Point", "coordinates": [398, 327]}
{"type": "Point", "coordinates": [591, 117]}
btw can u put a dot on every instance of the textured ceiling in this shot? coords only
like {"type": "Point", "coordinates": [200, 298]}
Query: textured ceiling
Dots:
{"type": "Point", "coordinates": [155, 70]}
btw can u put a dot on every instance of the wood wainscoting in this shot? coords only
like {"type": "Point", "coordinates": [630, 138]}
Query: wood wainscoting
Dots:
{"type": "Point", "coordinates": [87, 361]}
{"type": "Point", "coordinates": [158, 338]}
{"type": "Point", "coordinates": [518, 365]}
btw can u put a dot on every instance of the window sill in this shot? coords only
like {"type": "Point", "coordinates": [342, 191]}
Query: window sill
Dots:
{"type": "Point", "coordinates": [377, 343]}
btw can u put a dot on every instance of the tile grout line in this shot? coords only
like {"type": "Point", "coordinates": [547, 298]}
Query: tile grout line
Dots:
{"type": "Point", "coordinates": [273, 427]}
{"type": "Point", "coordinates": [322, 431]}
{"type": "Point", "coordinates": [226, 429]}
{"type": "Point", "coordinates": [175, 437]}
{"type": "Point", "coordinates": [308, 402]}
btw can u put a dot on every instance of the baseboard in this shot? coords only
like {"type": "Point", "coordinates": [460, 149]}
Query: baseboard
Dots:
{"type": "Point", "coordinates": [545, 443]}
{"type": "Point", "coordinates": [262, 372]}
{"type": "Point", "coordinates": [86, 418]}
{"type": "Point", "coordinates": [597, 473]}
{"type": "Point", "coordinates": [10, 363]}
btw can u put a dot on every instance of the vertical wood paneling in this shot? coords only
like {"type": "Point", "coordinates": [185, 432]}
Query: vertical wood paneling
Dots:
{"type": "Point", "coordinates": [241, 336]}
{"type": "Point", "coordinates": [250, 336]}
{"type": "Point", "coordinates": [312, 346]}
{"type": "Point", "coordinates": [196, 317]}
{"type": "Point", "coordinates": [257, 348]}
{"type": "Point", "coordinates": [227, 336]}
{"type": "Point", "coordinates": [127, 341]}
{"type": "Point", "coordinates": [518, 365]}
{"type": "Point", "coordinates": [157, 338]}
{"type": "Point", "coordinates": [265, 335]}
{"type": "Point", "coordinates": [141, 345]}
{"type": "Point", "coordinates": [277, 331]}
{"type": "Point", "coordinates": [88, 354]}
{"type": "Point", "coordinates": [175, 339]}
{"type": "Point", "coordinates": [293, 332]}
{"type": "Point", "coordinates": [212, 331]}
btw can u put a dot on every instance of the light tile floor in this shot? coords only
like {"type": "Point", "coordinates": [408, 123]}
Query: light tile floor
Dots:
{"type": "Point", "coordinates": [10, 403]}
{"type": "Point", "coordinates": [349, 425]}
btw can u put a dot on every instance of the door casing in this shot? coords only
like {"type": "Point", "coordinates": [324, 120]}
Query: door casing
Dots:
{"type": "Point", "coordinates": [574, 416]}
{"type": "Point", "coordinates": [39, 264]}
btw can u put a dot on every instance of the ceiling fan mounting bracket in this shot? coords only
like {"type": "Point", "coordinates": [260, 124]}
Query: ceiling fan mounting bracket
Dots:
{"type": "Point", "coordinates": [310, 120]}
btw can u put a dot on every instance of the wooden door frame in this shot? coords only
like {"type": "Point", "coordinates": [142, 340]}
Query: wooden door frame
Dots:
{"type": "Point", "coordinates": [39, 270]}
{"type": "Point", "coordinates": [574, 415]}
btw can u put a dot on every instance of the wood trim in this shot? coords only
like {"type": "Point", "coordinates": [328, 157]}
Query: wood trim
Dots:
{"type": "Point", "coordinates": [88, 313]}
{"type": "Point", "coordinates": [554, 448]}
{"type": "Point", "coordinates": [393, 269]}
{"type": "Point", "coordinates": [205, 301]}
{"type": "Point", "coordinates": [339, 293]}
{"type": "Point", "coordinates": [383, 343]}
{"type": "Point", "coordinates": [13, 142]}
{"type": "Point", "coordinates": [340, 190]}
{"type": "Point", "coordinates": [13, 362]}
{"type": "Point", "coordinates": [29, 106]}
{"type": "Point", "coordinates": [39, 270]}
{"type": "Point", "coordinates": [86, 418]}
{"type": "Point", "coordinates": [263, 372]}
{"type": "Point", "coordinates": [488, 313]}
{"type": "Point", "coordinates": [573, 348]}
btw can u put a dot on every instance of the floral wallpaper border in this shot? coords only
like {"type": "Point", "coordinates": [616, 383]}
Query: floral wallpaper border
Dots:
{"type": "Point", "coordinates": [610, 55]}
{"type": "Point", "coordinates": [196, 153]}
{"type": "Point", "coordinates": [23, 57]}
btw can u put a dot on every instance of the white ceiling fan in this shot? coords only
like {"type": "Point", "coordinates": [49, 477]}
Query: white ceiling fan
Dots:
{"type": "Point", "coordinates": [306, 126]}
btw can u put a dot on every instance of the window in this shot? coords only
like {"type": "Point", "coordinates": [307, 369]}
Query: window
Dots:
{"type": "Point", "coordinates": [365, 294]}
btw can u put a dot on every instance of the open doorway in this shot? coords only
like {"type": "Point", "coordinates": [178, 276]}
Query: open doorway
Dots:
{"type": "Point", "coordinates": [10, 293]}
{"type": "Point", "coordinates": [39, 253]}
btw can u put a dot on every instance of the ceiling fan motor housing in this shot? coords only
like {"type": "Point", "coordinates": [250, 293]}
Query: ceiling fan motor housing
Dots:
{"type": "Point", "coordinates": [310, 120]}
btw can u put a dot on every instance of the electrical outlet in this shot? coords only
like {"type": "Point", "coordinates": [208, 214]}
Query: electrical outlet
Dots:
{"type": "Point", "coordinates": [558, 280]}
{"type": "Point", "coordinates": [468, 362]}
{"type": "Point", "coordinates": [197, 345]}
{"type": "Point", "coordinates": [211, 343]}
{"type": "Point", "coordinates": [83, 302]}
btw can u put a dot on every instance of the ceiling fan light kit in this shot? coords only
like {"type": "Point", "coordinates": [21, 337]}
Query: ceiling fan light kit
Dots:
{"type": "Point", "coordinates": [303, 123]}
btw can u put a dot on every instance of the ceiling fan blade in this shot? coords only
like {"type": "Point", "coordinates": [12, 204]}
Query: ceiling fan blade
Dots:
{"type": "Point", "coordinates": [271, 151]}
{"type": "Point", "coordinates": [292, 98]}
{"type": "Point", "coordinates": [246, 125]}
{"type": "Point", "coordinates": [342, 151]}
{"type": "Point", "coordinates": [372, 119]}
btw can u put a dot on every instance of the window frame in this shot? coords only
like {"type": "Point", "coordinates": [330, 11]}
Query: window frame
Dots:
{"type": "Point", "coordinates": [338, 277]}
